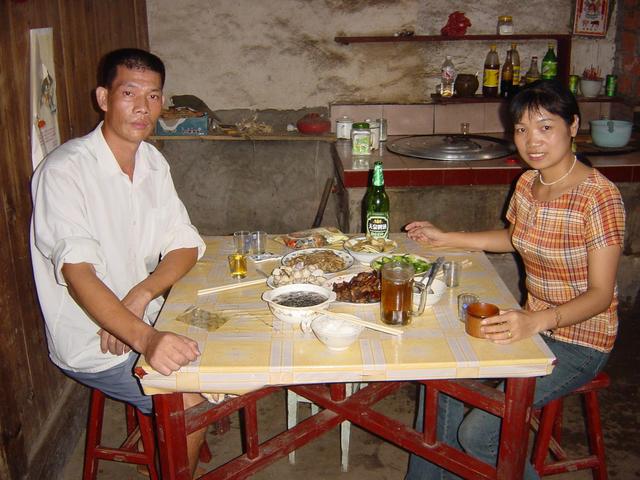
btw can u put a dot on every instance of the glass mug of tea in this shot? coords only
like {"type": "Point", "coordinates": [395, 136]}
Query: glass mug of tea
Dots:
{"type": "Point", "coordinates": [396, 299]}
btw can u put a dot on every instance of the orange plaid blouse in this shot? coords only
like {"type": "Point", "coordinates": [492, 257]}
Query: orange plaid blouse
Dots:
{"type": "Point", "coordinates": [553, 239]}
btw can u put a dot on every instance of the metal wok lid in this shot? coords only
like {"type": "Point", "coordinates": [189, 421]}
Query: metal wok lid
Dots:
{"type": "Point", "coordinates": [454, 148]}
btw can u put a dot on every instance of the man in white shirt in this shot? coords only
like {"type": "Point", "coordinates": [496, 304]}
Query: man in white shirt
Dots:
{"type": "Point", "coordinates": [109, 236]}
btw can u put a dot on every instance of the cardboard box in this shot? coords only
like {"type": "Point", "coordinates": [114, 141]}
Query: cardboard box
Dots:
{"type": "Point", "coordinates": [187, 123]}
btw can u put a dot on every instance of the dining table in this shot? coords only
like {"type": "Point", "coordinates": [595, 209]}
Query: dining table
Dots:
{"type": "Point", "coordinates": [247, 354]}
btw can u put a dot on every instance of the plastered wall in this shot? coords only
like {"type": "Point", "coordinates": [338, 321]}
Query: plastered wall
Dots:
{"type": "Point", "coordinates": [281, 53]}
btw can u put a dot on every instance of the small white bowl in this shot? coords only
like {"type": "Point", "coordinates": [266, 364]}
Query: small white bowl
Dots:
{"type": "Point", "coordinates": [438, 287]}
{"type": "Point", "coordinates": [590, 88]}
{"type": "Point", "coordinates": [295, 315]}
{"type": "Point", "coordinates": [335, 333]}
{"type": "Point", "coordinates": [367, 257]}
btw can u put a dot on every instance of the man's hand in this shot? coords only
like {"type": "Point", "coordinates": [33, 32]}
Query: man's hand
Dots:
{"type": "Point", "coordinates": [166, 352]}
{"type": "Point", "coordinates": [109, 343]}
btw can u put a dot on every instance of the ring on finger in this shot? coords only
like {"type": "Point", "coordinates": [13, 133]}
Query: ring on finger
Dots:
{"type": "Point", "coordinates": [509, 334]}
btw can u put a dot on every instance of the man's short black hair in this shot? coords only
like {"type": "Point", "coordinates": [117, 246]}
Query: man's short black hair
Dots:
{"type": "Point", "coordinates": [132, 58]}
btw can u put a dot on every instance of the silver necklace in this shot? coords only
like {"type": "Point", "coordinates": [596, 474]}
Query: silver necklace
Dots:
{"type": "Point", "coordinates": [575, 159]}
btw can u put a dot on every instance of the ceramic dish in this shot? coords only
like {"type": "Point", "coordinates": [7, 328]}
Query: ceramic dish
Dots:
{"type": "Point", "coordinates": [296, 315]}
{"type": "Point", "coordinates": [345, 278]}
{"type": "Point", "coordinates": [420, 264]}
{"type": "Point", "coordinates": [366, 257]}
{"type": "Point", "coordinates": [336, 334]}
{"type": "Point", "coordinates": [438, 287]}
{"type": "Point", "coordinates": [291, 258]}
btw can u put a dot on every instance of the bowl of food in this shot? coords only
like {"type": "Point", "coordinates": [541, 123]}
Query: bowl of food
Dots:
{"type": "Point", "coordinates": [298, 302]}
{"type": "Point", "coordinates": [438, 287]}
{"type": "Point", "coordinates": [419, 264]}
{"type": "Point", "coordinates": [337, 334]}
{"type": "Point", "coordinates": [365, 249]}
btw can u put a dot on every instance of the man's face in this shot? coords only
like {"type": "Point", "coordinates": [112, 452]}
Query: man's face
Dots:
{"type": "Point", "coordinates": [132, 105]}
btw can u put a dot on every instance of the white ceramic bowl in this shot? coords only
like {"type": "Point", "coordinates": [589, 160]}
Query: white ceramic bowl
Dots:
{"type": "Point", "coordinates": [366, 257]}
{"type": "Point", "coordinates": [295, 315]}
{"type": "Point", "coordinates": [335, 333]}
{"type": "Point", "coordinates": [438, 287]}
{"type": "Point", "coordinates": [590, 88]}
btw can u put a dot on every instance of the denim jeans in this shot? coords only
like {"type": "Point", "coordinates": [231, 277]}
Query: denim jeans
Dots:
{"type": "Point", "coordinates": [479, 432]}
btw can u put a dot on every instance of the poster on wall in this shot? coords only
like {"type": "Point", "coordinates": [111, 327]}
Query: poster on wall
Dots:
{"type": "Point", "coordinates": [45, 134]}
{"type": "Point", "coordinates": [591, 18]}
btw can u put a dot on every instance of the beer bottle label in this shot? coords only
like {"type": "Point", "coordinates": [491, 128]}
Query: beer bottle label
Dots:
{"type": "Point", "coordinates": [490, 77]}
{"type": "Point", "coordinates": [378, 225]}
{"type": "Point", "coordinates": [549, 70]}
{"type": "Point", "coordinates": [516, 74]}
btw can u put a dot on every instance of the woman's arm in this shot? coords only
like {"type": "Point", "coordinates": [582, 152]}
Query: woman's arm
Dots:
{"type": "Point", "coordinates": [490, 240]}
{"type": "Point", "coordinates": [602, 270]}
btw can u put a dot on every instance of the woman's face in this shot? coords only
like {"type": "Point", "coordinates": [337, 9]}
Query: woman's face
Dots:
{"type": "Point", "coordinates": [544, 139]}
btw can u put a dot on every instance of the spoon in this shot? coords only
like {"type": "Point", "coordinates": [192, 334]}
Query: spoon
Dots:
{"type": "Point", "coordinates": [432, 274]}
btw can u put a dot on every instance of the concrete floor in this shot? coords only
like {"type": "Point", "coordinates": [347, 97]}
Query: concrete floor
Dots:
{"type": "Point", "coordinates": [373, 459]}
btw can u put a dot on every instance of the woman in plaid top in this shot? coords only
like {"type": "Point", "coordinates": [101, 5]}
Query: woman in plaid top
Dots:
{"type": "Point", "coordinates": [566, 220]}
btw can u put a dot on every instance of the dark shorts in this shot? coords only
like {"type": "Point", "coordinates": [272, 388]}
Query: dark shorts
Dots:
{"type": "Point", "coordinates": [117, 382]}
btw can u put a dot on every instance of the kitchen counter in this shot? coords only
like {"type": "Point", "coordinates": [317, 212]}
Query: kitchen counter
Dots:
{"type": "Point", "coordinates": [401, 171]}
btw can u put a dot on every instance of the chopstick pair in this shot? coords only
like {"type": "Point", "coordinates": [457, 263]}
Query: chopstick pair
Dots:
{"type": "Point", "coordinates": [222, 288]}
{"type": "Point", "coordinates": [358, 321]}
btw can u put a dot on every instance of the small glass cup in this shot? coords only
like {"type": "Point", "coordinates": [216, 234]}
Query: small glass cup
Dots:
{"type": "Point", "coordinates": [464, 300]}
{"type": "Point", "coordinates": [258, 242]}
{"type": "Point", "coordinates": [237, 265]}
{"type": "Point", "coordinates": [242, 241]}
{"type": "Point", "coordinates": [464, 128]}
{"type": "Point", "coordinates": [451, 273]}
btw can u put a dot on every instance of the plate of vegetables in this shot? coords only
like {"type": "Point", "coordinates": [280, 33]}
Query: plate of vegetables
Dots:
{"type": "Point", "coordinates": [419, 264]}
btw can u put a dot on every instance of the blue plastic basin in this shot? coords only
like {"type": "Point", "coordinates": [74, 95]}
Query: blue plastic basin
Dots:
{"type": "Point", "coordinates": [610, 133]}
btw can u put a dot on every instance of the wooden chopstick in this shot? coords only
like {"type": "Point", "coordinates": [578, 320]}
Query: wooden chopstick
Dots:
{"type": "Point", "coordinates": [222, 288]}
{"type": "Point", "coordinates": [359, 321]}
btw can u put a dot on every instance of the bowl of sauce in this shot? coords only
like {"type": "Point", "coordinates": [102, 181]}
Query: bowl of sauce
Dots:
{"type": "Point", "coordinates": [298, 302]}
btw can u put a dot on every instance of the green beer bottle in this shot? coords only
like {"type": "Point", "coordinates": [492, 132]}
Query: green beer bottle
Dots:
{"type": "Point", "coordinates": [377, 220]}
{"type": "Point", "coordinates": [549, 64]}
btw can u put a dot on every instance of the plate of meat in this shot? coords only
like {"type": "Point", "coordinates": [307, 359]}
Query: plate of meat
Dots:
{"type": "Point", "coordinates": [356, 288]}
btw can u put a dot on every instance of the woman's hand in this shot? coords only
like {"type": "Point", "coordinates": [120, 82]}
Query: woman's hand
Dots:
{"type": "Point", "coordinates": [426, 232]}
{"type": "Point", "coordinates": [510, 326]}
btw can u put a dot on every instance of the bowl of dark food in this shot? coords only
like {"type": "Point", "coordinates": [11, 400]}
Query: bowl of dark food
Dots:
{"type": "Point", "coordinates": [296, 303]}
{"type": "Point", "coordinates": [363, 287]}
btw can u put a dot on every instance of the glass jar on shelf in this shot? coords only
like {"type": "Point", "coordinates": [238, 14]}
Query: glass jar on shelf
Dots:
{"type": "Point", "coordinates": [505, 25]}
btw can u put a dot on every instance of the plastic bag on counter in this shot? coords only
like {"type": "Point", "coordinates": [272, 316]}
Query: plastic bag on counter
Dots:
{"type": "Point", "coordinates": [312, 238]}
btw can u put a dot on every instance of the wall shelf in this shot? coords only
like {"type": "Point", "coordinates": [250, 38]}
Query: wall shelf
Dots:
{"type": "Point", "coordinates": [563, 42]}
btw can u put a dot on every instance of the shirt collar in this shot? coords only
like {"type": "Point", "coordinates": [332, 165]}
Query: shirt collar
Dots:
{"type": "Point", "coordinates": [107, 161]}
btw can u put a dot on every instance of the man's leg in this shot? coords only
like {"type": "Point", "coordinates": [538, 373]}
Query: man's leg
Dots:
{"type": "Point", "coordinates": [195, 439]}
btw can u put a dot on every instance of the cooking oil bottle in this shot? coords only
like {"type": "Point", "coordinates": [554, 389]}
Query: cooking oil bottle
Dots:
{"type": "Point", "coordinates": [491, 73]}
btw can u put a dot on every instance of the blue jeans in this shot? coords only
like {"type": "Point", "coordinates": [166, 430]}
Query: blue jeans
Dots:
{"type": "Point", "coordinates": [479, 433]}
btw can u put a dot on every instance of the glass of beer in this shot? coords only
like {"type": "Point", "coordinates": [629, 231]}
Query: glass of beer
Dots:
{"type": "Point", "coordinates": [237, 265]}
{"type": "Point", "coordinates": [396, 302]}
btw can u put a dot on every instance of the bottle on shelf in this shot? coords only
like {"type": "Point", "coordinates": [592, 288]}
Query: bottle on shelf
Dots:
{"type": "Point", "coordinates": [549, 64]}
{"type": "Point", "coordinates": [533, 73]}
{"type": "Point", "coordinates": [506, 82]}
{"type": "Point", "coordinates": [491, 73]}
{"type": "Point", "coordinates": [515, 61]}
{"type": "Point", "coordinates": [448, 76]}
{"type": "Point", "coordinates": [377, 217]}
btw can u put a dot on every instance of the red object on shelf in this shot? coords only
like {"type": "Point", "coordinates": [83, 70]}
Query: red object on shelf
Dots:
{"type": "Point", "coordinates": [313, 123]}
{"type": "Point", "coordinates": [456, 25]}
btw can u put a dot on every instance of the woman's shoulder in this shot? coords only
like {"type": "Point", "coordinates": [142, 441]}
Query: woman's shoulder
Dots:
{"type": "Point", "coordinates": [526, 180]}
{"type": "Point", "coordinates": [597, 183]}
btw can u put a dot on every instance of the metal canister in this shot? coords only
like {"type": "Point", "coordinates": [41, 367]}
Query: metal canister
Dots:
{"type": "Point", "coordinates": [611, 85]}
{"type": "Point", "coordinates": [573, 83]}
{"type": "Point", "coordinates": [361, 139]}
{"type": "Point", "coordinates": [343, 128]}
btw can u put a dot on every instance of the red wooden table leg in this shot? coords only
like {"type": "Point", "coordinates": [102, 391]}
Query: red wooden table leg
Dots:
{"type": "Point", "coordinates": [514, 433]}
{"type": "Point", "coordinates": [172, 446]}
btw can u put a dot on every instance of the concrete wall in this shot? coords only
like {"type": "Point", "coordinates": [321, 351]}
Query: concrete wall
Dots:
{"type": "Point", "coordinates": [281, 53]}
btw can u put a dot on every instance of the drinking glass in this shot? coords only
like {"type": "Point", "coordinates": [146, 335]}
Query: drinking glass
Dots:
{"type": "Point", "coordinates": [242, 241]}
{"type": "Point", "coordinates": [237, 265]}
{"type": "Point", "coordinates": [258, 242]}
{"type": "Point", "coordinates": [451, 273]}
{"type": "Point", "coordinates": [396, 299]}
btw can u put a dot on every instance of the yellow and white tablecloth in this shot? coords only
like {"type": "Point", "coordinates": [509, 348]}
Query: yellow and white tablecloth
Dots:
{"type": "Point", "coordinates": [253, 349]}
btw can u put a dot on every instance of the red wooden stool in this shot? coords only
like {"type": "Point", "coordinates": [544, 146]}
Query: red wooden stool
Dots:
{"type": "Point", "coordinates": [549, 433]}
{"type": "Point", "coordinates": [138, 426]}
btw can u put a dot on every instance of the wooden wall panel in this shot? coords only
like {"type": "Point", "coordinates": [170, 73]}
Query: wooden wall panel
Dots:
{"type": "Point", "coordinates": [31, 386]}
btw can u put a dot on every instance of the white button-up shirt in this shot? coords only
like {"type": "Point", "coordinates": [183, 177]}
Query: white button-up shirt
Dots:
{"type": "Point", "coordinates": [87, 210]}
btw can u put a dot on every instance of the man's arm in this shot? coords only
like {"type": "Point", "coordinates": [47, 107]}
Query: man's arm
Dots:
{"type": "Point", "coordinates": [165, 352]}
